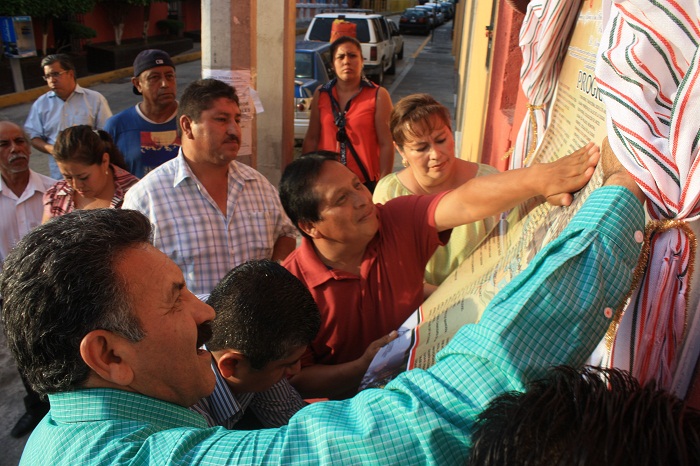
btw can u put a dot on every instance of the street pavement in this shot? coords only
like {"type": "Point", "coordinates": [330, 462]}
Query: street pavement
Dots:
{"type": "Point", "coordinates": [430, 70]}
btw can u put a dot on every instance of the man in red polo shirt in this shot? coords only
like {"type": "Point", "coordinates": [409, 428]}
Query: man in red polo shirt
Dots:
{"type": "Point", "coordinates": [364, 263]}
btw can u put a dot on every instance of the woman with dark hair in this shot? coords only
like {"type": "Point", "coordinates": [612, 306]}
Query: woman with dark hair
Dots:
{"type": "Point", "coordinates": [93, 170]}
{"type": "Point", "coordinates": [350, 115]}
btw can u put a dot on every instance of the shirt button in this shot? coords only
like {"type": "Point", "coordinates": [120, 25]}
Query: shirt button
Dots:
{"type": "Point", "coordinates": [639, 236]}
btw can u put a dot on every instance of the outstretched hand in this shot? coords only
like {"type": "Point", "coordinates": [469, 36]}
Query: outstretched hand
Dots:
{"type": "Point", "coordinates": [567, 175]}
{"type": "Point", "coordinates": [374, 347]}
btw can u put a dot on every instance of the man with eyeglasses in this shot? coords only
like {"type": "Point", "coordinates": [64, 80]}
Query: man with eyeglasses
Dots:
{"type": "Point", "coordinates": [65, 105]}
{"type": "Point", "coordinates": [147, 133]}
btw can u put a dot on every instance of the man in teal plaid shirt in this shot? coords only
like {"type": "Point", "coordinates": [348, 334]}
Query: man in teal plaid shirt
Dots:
{"type": "Point", "coordinates": [103, 323]}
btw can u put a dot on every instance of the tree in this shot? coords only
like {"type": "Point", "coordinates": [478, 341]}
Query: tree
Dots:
{"type": "Point", "coordinates": [45, 11]}
{"type": "Point", "coordinates": [117, 11]}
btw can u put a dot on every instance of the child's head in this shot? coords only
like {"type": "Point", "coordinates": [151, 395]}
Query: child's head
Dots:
{"type": "Point", "coordinates": [265, 318]}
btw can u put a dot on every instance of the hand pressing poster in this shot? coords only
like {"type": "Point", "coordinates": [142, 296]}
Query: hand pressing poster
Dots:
{"type": "Point", "coordinates": [577, 116]}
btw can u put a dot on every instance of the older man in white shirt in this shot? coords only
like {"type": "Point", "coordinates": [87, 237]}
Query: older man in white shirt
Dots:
{"type": "Point", "coordinates": [21, 193]}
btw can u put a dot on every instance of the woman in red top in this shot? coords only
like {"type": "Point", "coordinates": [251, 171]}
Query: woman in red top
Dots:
{"type": "Point", "coordinates": [94, 172]}
{"type": "Point", "coordinates": [350, 116]}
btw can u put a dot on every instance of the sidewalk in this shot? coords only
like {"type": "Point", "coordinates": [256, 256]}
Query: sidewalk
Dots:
{"type": "Point", "coordinates": [430, 70]}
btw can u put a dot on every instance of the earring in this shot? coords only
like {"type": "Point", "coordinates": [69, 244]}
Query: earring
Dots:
{"type": "Point", "coordinates": [404, 162]}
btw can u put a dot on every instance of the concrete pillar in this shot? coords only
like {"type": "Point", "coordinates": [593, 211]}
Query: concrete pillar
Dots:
{"type": "Point", "coordinates": [250, 44]}
{"type": "Point", "coordinates": [276, 37]}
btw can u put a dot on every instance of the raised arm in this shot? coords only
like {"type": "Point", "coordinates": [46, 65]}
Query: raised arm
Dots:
{"type": "Point", "coordinates": [489, 195]}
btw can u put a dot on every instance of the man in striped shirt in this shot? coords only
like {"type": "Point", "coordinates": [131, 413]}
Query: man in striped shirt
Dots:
{"type": "Point", "coordinates": [257, 343]}
{"type": "Point", "coordinates": [210, 212]}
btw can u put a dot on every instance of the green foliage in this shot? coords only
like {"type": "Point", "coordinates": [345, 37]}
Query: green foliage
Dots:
{"type": "Point", "coordinates": [79, 31]}
{"type": "Point", "coordinates": [125, 3]}
{"type": "Point", "coordinates": [12, 8]}
{"type": "Point", "coordinates": [171, 26]}
{"type": "Point", "coordinates": [118, 9]}
{"type": "Point", "coordinates": [45, 9]}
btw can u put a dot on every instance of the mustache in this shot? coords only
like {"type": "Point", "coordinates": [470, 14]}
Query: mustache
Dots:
{"type": "Point", "coordinates": [233, 137]}
{"type": "Point", "coordinates": [204, 333]}
{"type": "Point", "coordinates": [14, 157]}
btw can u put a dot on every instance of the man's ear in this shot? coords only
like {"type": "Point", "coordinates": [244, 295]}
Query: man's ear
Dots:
{"type": "Point", "coordinates": [186, 125]}
{"type": "Point", "coordinates": [229, 363]}
{"type": "Point", "coordinates": [309, 228]}
{"type": "Point", "coordinates": [136, 83]}
{"type": "Point", "coordinates": [103, 352]}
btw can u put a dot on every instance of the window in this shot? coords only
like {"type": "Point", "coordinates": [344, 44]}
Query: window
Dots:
{"type": "Point", "coordinates": [303, 65]}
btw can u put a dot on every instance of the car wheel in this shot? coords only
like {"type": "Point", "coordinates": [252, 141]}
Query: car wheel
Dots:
{"type": "Point", "coordinates": [392, 67]}
{"type": "Point", "coordinates": [400, 54]}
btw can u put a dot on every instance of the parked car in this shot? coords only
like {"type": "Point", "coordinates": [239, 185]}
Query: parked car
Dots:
{"type": "Point", "coordinates": [372, 32]}
{"type": "Point", "coordinates": [302, 112]}
{"type": "Point", "coordinates": [414, 20]}
{"type": "Point", "coordinates": [313, 67]}
{"type": "Point", "coordinates": [397, 38]}
{"type": "Point", "coordinates": [442, 8]}
{"type": "Point", "coordinates": [439, 18]}
{"type": "Point", "coordinates": [448, 9]}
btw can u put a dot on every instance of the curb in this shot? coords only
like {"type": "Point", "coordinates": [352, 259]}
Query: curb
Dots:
{"type": "Point", "coordinates": [29, 95]}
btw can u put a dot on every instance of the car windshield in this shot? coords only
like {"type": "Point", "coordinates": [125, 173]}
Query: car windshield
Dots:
{"type": "Point", "coordinates": [303, 65]}
{"type": "Point", "coordinates": [413, 12]}
{"type": "Point", "coordinates": [322, 29]}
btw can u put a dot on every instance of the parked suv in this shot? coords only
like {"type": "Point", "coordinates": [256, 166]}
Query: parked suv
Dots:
{"type": "Point", "coordinates": [372, 31]}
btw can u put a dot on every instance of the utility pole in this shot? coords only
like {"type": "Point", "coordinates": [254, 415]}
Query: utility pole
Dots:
{"type": "Point", "coordinates": [250, 44]}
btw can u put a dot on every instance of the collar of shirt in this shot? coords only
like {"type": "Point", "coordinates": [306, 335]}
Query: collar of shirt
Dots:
{"type": "Point", "coordinates": [224, 404]}
{"type": "Point", "coordinates": [316, 273]}
{"type": "Point", "coordinates": [33, 185]}
{"type": "Point", "coordinates": [183, 171]}
{"type": "Point", "coordinates": [105, 404]}
{"type": "Point", "coordinates": [77, 90]}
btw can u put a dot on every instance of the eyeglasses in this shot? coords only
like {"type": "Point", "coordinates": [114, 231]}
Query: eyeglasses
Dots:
{"type": "Point", "coordinates": [53, 75]}
{"type": "Point", "coordinates": [341, 136]}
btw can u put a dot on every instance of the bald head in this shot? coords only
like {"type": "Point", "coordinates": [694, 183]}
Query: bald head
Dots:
{"type": "Point", "coordinates": [7, 124]}
{"type": "Point", "coordinates": [14, 150]}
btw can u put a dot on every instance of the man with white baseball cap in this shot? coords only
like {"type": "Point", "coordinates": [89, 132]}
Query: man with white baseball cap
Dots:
{"type": "Point", "coordinates": [147, 132]}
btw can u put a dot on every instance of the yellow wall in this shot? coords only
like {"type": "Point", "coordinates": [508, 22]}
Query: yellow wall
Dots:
{"type": "Point", "coordinates": [473, 75]}
{"type": "Point", "coordinates": [388, 5]}
{"type": "Point", "coordinates": [400, 5]}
